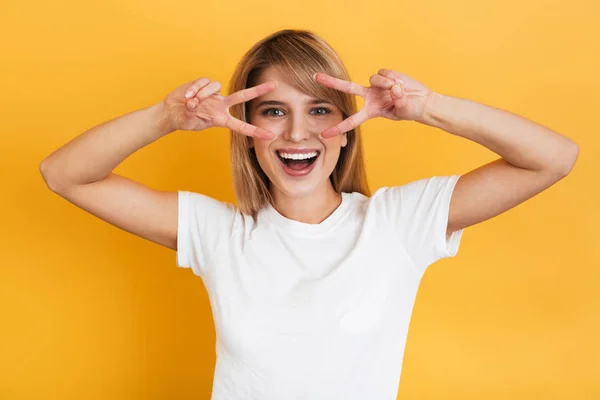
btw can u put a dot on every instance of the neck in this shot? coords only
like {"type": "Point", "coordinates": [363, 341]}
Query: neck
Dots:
{"type": "Point", "coordinates": [311, 209]}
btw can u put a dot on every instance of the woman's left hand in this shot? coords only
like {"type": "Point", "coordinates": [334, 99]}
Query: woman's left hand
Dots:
{"type": "Point", "coordinates": [382, 99]}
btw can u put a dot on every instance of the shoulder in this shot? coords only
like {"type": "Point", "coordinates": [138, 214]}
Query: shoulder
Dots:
{"type": "Point", "coordinates": [205, 224]}
{"type": "Point", "coordinates": [412, 200]}
{"type": "Point", "coordinates": [414, 190]}
{"type": "Point", "coordinates": [417, 212]}
{"type": "Point", "coordinates": [196, 199]}
{"type": "Point", "coordinates": [200, 208]}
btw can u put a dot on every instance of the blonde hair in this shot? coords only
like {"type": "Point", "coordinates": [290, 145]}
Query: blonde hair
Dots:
{"type": "Point", "coordinates": [296, 54]}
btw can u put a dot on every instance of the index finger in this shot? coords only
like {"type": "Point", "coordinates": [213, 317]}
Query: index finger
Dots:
{"type": "Point", "coordinates": [244, 95]}
{"type": "Point", "coordinates": [346, 125]}
{"type": "Point", "coordinates": [340, 84]}
{"type": "Point", "coordinates": [247, 129]}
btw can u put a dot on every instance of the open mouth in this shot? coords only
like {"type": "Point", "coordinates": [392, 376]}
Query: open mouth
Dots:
{"type": "Point", "coordinates": [298, 163]}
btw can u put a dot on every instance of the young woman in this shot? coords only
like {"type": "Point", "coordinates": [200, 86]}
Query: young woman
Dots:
{"type": "Point", "coordinates": [311, 279]}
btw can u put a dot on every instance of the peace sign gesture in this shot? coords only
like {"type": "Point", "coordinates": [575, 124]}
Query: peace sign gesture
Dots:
{"type": "Point", "coordinates": [391, 95]}
{"type": "Point", "coordinates": [197, 105]}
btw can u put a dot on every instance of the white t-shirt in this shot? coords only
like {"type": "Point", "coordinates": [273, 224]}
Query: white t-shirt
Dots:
{"type": "Point", "coordinates": [315, 311]}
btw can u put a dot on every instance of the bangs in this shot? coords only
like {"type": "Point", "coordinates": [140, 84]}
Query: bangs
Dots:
{"type": "Point", "coordinates": [302, 79]}
{"type": "Point", "coordinates": [298, 65]}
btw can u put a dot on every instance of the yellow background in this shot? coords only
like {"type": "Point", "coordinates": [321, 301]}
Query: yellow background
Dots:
{"type": "Point", "coordinates": [91, 312]}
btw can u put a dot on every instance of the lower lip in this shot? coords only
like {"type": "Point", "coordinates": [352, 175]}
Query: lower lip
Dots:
{"type": "Point", "coordinates": [302, 172]}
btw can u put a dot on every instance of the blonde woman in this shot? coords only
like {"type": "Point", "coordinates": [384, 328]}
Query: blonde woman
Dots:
{"type": "Point", "coordinates": [311, 279]}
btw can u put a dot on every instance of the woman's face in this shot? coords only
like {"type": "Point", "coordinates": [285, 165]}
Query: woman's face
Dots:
{"type": "Point", "coordinates": [297, 161]}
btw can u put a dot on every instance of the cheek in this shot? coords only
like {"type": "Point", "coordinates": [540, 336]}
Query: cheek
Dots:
{"type": "Point", "coordinates": [320, 124]}
{"type": "Point", "coordinates": [263, 154]}
{"type": "Point", "coordinates": [334, 144]}
{"type": "Point", "coordinates": [333, 149]}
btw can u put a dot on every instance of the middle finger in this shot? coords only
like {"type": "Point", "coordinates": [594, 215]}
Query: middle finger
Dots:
{"type": "Point", "coordinates": [244, 95]}
{"type": "Point", "coordinates": [247, 129]}
{"type": "Point", "coordinates": [340, 84]}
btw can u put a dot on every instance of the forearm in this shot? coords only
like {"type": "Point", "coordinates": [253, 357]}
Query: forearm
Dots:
{"type": "Point", "coordinates": [516, 139]}
{"type": "Point", "coordinates": [94, 154]}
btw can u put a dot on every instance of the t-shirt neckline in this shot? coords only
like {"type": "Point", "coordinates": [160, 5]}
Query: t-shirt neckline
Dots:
{"type": "Point", "coordinates": [304, 228]}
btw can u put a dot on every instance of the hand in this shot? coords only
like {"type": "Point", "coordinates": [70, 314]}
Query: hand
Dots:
{"type": "Point", "coordinates": [391, 95]}
{"type": "Point", "coordinates": [204, 107]}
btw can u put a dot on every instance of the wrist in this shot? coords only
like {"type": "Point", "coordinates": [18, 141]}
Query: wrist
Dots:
{"type": "Point", "coordinates": [163, 122]}
{"type": "Point", "coordinates": [431, 109]}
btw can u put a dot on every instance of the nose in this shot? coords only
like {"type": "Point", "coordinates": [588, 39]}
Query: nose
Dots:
{"type": "Point", "coordinates": [297, 129]}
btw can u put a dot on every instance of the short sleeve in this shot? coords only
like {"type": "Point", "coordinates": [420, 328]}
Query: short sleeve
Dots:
{"type": "Point", "coordinates": [418, 212]}
{"type": "Point", "coordinates": [203, 225]}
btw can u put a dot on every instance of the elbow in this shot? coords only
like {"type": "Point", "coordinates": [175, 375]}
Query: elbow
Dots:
{"type": "Point", "coordinates": [49, 176]}
{"type": "Point", "coordinates": [568, 157]}
{"type": "Point", "coordinates": [572, 156]}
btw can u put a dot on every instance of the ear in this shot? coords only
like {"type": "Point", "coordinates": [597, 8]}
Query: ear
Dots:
{"type": "Point", "coordinates": [344, 139]}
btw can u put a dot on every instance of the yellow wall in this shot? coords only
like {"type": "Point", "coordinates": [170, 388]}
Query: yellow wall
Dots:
{"type": "Point", "coordinates": [91, 312]}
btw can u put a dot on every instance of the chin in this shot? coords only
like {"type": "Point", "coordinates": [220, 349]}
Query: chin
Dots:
{"type": "Point", "coordinates": [296, 189]}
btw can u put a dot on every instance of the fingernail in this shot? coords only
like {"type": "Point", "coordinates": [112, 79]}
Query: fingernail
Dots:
{"type": "Point", "coordinates": [400, 81]}
{"type": "Point", "coordinates": [396, 90]}
{"type": "Point", "coordinates": [189, 93]}
{"type": "Point", "coordinates": [315, 75]}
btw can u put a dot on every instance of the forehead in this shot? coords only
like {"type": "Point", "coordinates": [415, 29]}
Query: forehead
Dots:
{"type": "Point", "coordinates": [271, 74]}
{"type": "Point", "coordinates": [283, 89]}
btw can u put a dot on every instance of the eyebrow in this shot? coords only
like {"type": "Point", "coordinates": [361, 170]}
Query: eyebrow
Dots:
{"type": "Point", "coordinates": [280, 103]}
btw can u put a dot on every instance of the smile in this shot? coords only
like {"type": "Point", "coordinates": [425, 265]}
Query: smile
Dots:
{"type": "Point", "coordinates": [297, 162]}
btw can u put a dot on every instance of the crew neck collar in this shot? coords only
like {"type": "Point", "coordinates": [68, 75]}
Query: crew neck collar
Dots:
{"type": "Point", "coordinates": [304, 228]}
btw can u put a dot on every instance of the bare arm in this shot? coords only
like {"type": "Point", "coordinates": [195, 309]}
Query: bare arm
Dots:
{"type": "Point", "coordinates": [81, 170]}
{"type": "Point", "coordinates": [534, 158]}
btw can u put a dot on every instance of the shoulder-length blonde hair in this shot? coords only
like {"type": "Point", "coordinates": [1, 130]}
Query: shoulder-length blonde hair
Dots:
{"type": "Point", "coordinates": [296, 54]}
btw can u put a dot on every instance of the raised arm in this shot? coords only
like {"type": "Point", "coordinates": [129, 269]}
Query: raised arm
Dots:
{"type": "Point", "coordinates": [81, 170]}
{"type": "Point", "coordinates": [533, 157]}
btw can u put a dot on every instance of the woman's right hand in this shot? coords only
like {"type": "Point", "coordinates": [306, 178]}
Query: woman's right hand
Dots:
{"type": "Point", "coordinates": [197, 105]}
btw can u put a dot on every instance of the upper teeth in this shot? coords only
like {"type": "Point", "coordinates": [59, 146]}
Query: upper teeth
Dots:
{"type": "Point", "coordinates": [298, 156]}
